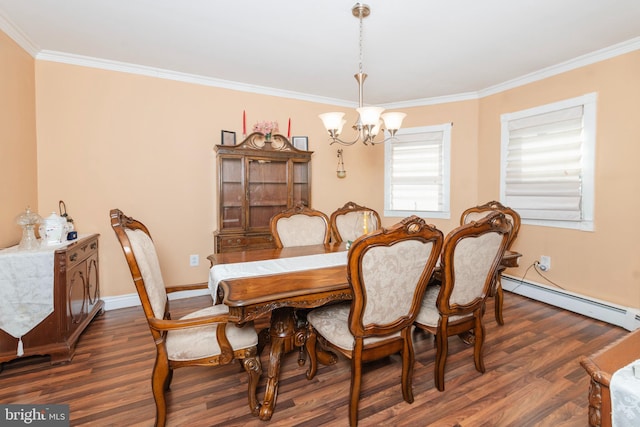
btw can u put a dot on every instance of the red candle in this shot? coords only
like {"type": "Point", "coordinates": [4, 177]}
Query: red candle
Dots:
{"type": "Point", "coordinates": [289, 129]}
{"type": "Point", "coordinates": [244, 122]}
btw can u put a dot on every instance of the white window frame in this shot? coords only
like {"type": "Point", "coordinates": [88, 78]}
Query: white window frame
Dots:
{"type": "Point", "coordinates": [587, 201]}
{"type": "Point", "coordinates": [416, 134]}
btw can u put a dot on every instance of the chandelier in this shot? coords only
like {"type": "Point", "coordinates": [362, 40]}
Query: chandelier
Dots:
{"type": "Point", "coordinates": [370, 119]}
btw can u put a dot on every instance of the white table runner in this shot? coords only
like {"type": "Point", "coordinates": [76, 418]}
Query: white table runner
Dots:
{"type": "Point", "coordinates": [625, 397]}
{"type": "Point", "coordinates": [26, 289]}
{"type": "Point", "coordinates": [272, 266]}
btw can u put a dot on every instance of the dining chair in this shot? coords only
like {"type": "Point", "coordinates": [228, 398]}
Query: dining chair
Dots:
{"type": "Point", "coordinates": [203, 338]}
{"type": "Point", "coordinates": [300, 226]}
{"type": "Point", "coordinates": [469, 263]}
{"type": "Point", "coordinates": [352, 221]}
{"type": "Point", "coordinates": [477, 212]}
{"type": "Point", "coordinates": [388, 271]}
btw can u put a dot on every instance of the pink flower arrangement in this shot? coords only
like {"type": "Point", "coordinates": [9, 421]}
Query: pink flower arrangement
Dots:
{"type": "Point", "coordinates": [266, 127]}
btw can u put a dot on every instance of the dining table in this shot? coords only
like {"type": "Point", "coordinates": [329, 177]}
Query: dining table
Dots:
{"type": "Point", "coordinates": [282, 283]}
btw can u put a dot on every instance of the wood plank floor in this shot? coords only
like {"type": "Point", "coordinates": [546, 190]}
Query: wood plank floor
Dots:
{"type": "Point", "coordinates": [532, 378]}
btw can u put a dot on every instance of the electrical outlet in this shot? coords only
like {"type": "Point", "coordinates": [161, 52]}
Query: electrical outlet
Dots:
{"type": "Point", "coordinates": [545, 263]}
{"type": "Point", "coordinates": [194, 260]}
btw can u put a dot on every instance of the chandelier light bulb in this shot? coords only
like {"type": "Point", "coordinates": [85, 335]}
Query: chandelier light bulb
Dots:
{"type": "Point", "coordinates": [393, 121]}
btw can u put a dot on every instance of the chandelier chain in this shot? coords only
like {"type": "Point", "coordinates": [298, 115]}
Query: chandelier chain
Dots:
{"type": "Point", "coordinates": [361, 33]}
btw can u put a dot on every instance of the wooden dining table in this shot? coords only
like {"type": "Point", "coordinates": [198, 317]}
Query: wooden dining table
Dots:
{"type": "Point", "coordinates": [282, 295]}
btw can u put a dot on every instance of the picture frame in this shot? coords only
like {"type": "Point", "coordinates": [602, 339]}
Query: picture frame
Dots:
{"type": "Point", "coordinates": [300, 142]}
{"type": "Point", "coordinates": [228, 137]}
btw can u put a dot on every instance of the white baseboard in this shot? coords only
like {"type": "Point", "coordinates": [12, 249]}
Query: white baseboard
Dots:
{"type": "Point", "coordinates": [132, 300]}
{"type": "Point", "coordinates": [625, 317]}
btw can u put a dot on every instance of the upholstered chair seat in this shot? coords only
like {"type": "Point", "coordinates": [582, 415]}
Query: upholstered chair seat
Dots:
{"type": "Point", "coordinates": [202, 341]}
{"type": "Point", "coordinates": [332, 322]}
{"type": "Point", "coordinates": [429, 314]}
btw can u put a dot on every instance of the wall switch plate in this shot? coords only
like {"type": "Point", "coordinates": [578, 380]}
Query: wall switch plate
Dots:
{"type": "Point", "coordinates": [194, 260]}
{"type": "Point", "coordinates": [545, 263]}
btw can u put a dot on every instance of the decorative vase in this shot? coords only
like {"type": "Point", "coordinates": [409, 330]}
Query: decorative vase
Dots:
{"type": "Point", "coordinates": [267, 136]}
{"type": "Point", "coordinates": [28, 220]}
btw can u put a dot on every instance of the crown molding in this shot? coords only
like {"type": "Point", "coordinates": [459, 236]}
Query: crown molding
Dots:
{"type": "Point", "coordinates": [572, 64]}
{"type": "Point", "coordinates": [106, 64]}
{"type": "Point", "coordinates": [17, 35]}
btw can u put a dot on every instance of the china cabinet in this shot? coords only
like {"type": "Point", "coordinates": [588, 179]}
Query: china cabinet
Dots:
{"type": "Point", "coordinates": [257, 179]}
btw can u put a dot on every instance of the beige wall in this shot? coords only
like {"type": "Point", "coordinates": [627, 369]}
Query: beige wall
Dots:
{"type": "Point", "coordinates": [145, 145]}
{"type": "Point", "coordinates": [18, 167]}
{"type": "Point", "coordinates": [604, 263]}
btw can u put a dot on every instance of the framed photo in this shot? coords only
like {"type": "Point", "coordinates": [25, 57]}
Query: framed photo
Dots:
{"type": "Point", "coordinates": [300, 142]}
{"type": "Point", "coordinates": [228, 137]}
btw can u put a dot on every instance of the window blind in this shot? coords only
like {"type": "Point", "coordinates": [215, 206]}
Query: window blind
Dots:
{"type": "Point", "coordinates": [416, 172]}
{"type": "Point", "coordinates": [544, 165]}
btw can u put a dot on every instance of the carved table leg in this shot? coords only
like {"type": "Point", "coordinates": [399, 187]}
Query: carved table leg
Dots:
{"type": "Point", "coordinates": [282, 335]}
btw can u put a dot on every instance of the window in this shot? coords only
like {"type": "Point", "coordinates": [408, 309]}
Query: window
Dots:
{"type": "Point", "coordinates": [416, 179]}
{"type": "Point", "coordinates": [547, 164]}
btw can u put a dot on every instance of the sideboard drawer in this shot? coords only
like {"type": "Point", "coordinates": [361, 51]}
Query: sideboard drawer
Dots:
{"type": "Point", "coordinates": [81, 252]}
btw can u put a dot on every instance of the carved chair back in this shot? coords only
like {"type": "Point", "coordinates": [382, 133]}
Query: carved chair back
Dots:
{"type": "Point", "coordinates": [352, 221]}
{"type": "Point", "coordinates": [300, 226]}
{"type": "Point", "coordinates": [477, 212]}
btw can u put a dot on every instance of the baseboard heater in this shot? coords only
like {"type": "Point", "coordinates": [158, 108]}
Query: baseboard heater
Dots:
{"type": "Point", "coordinates": [625, 317]}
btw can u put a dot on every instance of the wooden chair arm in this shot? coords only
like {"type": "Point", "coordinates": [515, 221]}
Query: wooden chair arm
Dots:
{"type": "Point", "coordinates": [190, 287]}
{"type": "Point", "coordinates": [168, 325]}
{"type": "Point", "coordinates": [594, 371]}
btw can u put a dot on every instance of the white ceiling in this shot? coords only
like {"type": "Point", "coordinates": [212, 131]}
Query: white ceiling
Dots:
{"type": "Point", "coordinates": [414, 50]}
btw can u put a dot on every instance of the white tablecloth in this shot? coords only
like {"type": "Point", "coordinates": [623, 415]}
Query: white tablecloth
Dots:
{"type": "Point", "coordinates": [625, 397]}
{"type": "Point", "coordinates": [272, 266]}
{"type": "Point", "coordinates": [26, 289]}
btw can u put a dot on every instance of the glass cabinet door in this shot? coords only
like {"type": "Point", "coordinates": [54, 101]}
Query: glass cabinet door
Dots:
{"type": "Point", "coordinates": [267, 190]}
{"type": "Point", "coordinates": [231, 193]}
{"type": "Point", "coordinates": [301, 183]}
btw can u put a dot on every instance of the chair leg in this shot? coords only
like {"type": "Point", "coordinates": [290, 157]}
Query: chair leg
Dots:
{"type": "Point", "coordinates": [499, 298]}
{"type": "Point", "coordinates": [478, 347]}
{"type": "Point", "coordinates": [159, 383]}
{"type": "Point", "coordinates": [254, 369]}
{"type": "Point", "coordinates": [442, 348]}
{"type": "Point", "coordinates": [167, 384]}
{"type": "Point", "coordinates": [356, 381]}
{"type": "Point", "coordinates": [310, 346]}
{"type": "Point", "coordinates": [408, 359]}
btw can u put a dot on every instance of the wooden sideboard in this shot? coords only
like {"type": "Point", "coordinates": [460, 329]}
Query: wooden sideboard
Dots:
{"type": "Point", "coordinates": [256, 180]}
{"type": "Point", "coordinates": [76, 301]}
{"type": "Point", "coordinates": [601, 366]}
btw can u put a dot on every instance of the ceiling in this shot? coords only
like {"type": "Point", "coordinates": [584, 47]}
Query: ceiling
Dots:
{"type": "Point", "coordinates": [414, 50]}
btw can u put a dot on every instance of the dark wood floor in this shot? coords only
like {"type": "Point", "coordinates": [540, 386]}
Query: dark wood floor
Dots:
{"type": "Point", "coordinates": [532, 378]}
